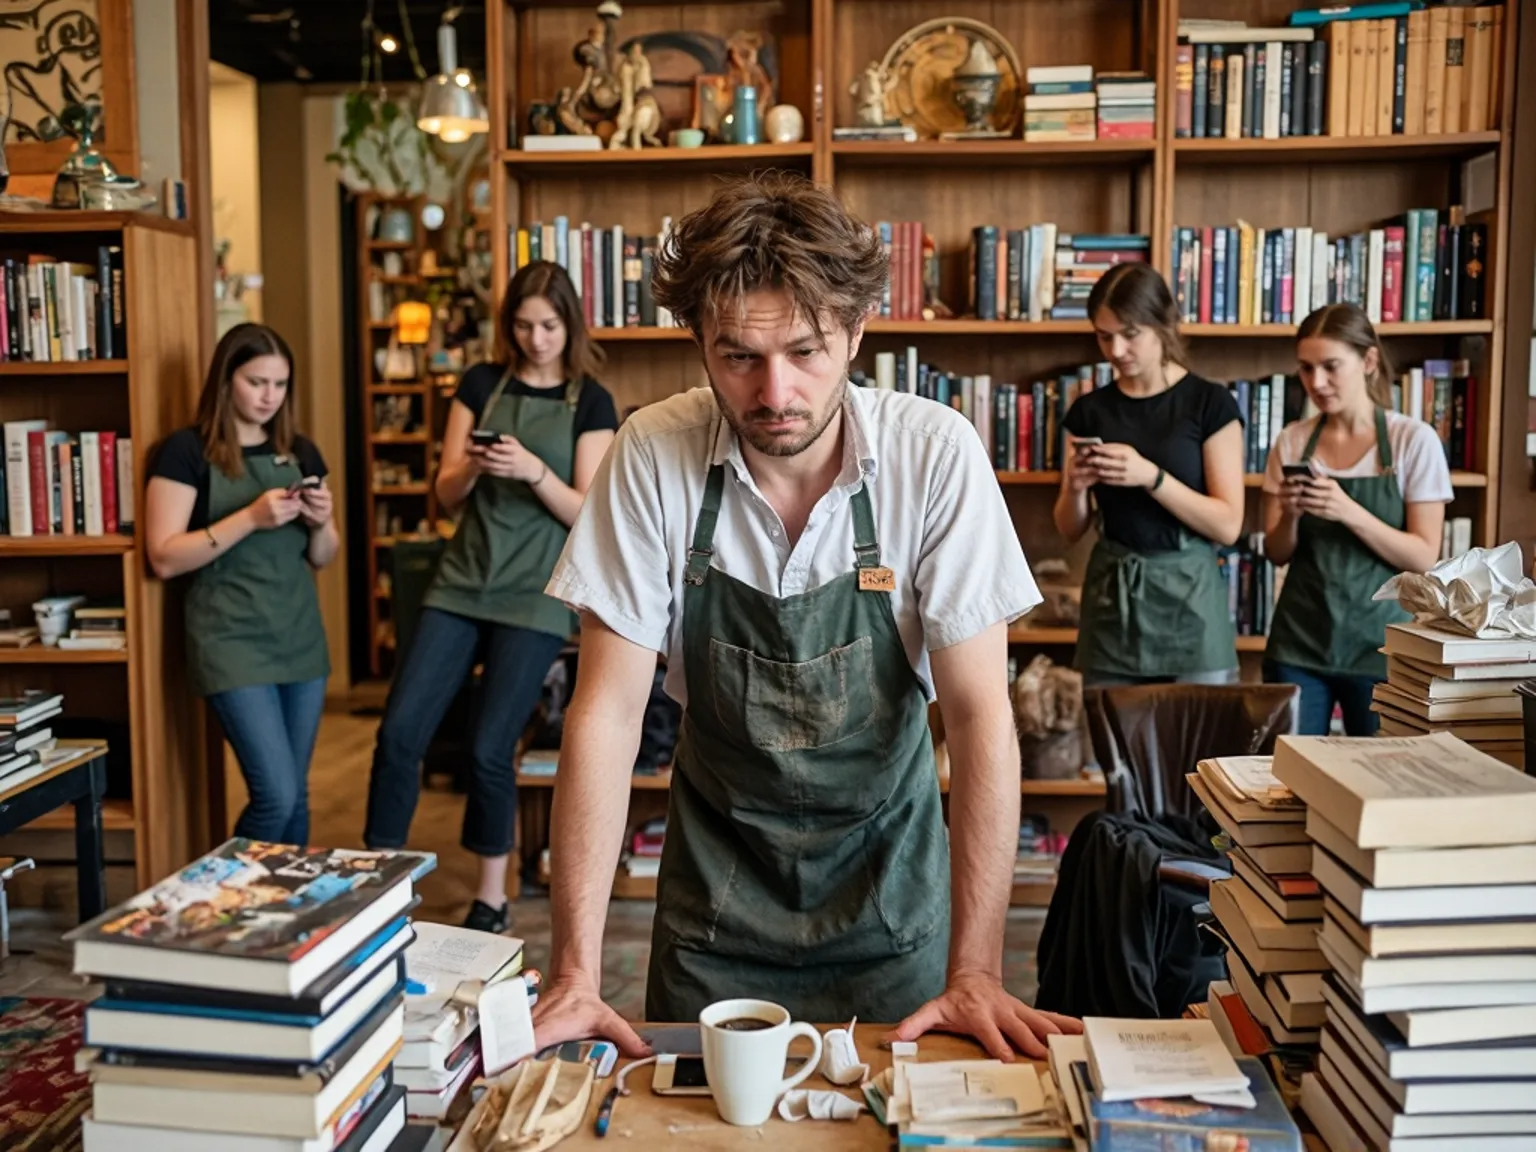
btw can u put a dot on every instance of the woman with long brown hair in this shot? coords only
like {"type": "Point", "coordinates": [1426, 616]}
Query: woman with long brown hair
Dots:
{"type": "Point", "coordinates": [1352, 497]}
{"type": "Point", "coordinates": [238, 502]}
{"type": "Point", "coordinates": [523, 441]}
{"type": "Point", "coordinates": [1160, 453]}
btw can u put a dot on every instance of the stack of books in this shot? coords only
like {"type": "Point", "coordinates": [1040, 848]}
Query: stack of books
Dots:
{"type": "Point", "coordinates": [1127, 105]}
{"type": "Point", "coordinates": [1426, 852]}
{"type": "Point", "coordinates": [254, 1002]}
{"type": "Point", "coordinates": [1059, 103]}
{"type": "Point", "coordinates": [968, 1103]}
{"type": "Point", "coordinates": [442, 1052]}
{"type": "Point", "coordinates": [1271, 908]}
{"type": "Point", "coordinates": [1082, 258]}
{"type": "Point", "coordinates": [1166, 1084]}
{"type": "Point", "coordinates": [25, 734]}
{"type": "Point", "coordinates": [1441, 681]}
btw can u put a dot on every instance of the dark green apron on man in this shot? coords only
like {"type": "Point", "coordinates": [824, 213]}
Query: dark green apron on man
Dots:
{"type": "Point", "coordinates": [1155, 614]}
{"type": "Point", "coordinates": [253, 616]}
{"type": "Point", "coordinates": [1326, 620]}
{"type": "Point", "coordinates": [806, 859]}
{"type": "Point", "coordinates": [507, 542]}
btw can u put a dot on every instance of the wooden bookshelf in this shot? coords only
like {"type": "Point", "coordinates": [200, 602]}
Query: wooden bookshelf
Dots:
{"type": "Point", "coordinates": [1339, 185]}
{"type": "Point", "coordinates": [145, 395]}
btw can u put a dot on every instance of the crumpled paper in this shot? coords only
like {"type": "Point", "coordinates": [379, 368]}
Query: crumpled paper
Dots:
{"type": "Point", "coordinates": [805, 1104]}
{"type": "Point", "coordinates": [1483, 592]}
{"type": "Point", "coordinates": [840, 1062]}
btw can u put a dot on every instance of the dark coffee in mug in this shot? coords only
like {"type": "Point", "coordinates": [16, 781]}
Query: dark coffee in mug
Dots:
{"type": "Point", "coordinates": [743, 1024]}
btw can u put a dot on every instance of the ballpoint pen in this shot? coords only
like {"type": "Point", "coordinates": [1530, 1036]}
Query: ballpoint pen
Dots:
{"type": "Point", "coordinates": [605, 1109]}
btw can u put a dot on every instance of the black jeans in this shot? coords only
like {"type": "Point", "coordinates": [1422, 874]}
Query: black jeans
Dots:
{"type": "Point", "coordinates": [442, 654]}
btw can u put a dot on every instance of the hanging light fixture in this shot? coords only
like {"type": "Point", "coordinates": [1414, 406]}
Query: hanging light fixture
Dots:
{"type": "Point", "coordinates": [450, 108]}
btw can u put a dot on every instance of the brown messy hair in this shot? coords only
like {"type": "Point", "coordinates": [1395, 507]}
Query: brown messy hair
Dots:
{"type": "Point", "coordinates": [1139, 296]}
{"type": "Point", "coordinates": [1349, 325]}
{"type": "Point", "coordinates": [582, 357]}
{"type": "Point", "coordinates": [216, 410]}
{"type": "Point", "coordinates": [774, 230]}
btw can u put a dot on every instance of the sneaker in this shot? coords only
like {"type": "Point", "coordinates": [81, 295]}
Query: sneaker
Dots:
{"type": "Point", "coordinates": [483, 918]}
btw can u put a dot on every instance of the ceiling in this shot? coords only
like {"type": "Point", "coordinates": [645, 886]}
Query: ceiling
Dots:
{"type": "Point", "coordinates": [321, 41]}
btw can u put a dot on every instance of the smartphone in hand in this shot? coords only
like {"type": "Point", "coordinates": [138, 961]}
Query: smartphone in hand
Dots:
{"type": "Point", "coordinates": [484, 438]}
{"type": "Point", "coordinates": [302, 483]}
{"type": "Point", "coordinates": [1298, 471]}
{"type": "Point", "coordinates": [1085, 444]}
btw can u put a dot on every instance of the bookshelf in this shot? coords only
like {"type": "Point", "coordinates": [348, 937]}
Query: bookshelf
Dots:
{"type": "Point", "coordinates": [145, 395]}
{"type": "Point", "coordinates": [1338, 184]}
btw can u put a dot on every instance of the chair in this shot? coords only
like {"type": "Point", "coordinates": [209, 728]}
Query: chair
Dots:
{"type": "Point", "coordinates": [1146, 738]}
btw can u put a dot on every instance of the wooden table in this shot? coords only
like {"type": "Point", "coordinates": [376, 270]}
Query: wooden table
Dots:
{"type": "Point", "coordinates": [80, 780]}
{"type": "Point", "coordinates": [690, 1123]}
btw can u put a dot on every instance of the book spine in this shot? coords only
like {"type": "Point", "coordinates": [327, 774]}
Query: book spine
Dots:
{"type": "Point", "coordinates": [1236, 72]}
{"type": "Point", "coordinates": [1298, 73]}
{"type": "Point", "coordinates": [1015, 294]}
{"type": "Point", "coordinates": [632, 270]}
{"type": "Point", "coordinates": [985, 237]}
{"type": "Point", "coordinates": [1216, 112]}
{"type": "Point", "coordinates": [64, 477]}
{"type": "Point", "coordinates": [883, 228]}
{"type": "Point", "coordinates": [1183, 90]}
{"type": "Point", "coordinates": [1386, 74]}
{"type": "Point", "coordinates": [1428, 254]}
{"type": "Point", "coordinates": [125, 474]}
{"type": "Point", "coordinates": [1219, 276]}
{"type": "Point", "coordinates": [647, 270]}
{"type": "Point", "coordinates": [1251, 77]}
{"type": "Point", "coordinates": [1399, 74]}
{"type": "Point", "coordinates": [1410, 265]}
{"type": "Point", "coordinates": [107, 444]}
{"type": "Point", "coordinates": [1199, 90]}
{"type": "Point", "coordinates": [1286, 255]}
{"type": "Point", "coordinates": [1287, 60]}
{"type": "Point", "coordinates": [1392, 274]}
{"type": "Point", "coordinates": [1317, 81]}
{"type": "Point", "coordinates": [1337, 37]}
{"type": "Point", "coordinates": [1455, 68]}
{"type": "Point", "coordinates": [1434, 90]}
{"type": "Point", "coordinates": [1473, 269]}
{"type": "Point", "coordinates": [1274, 73]}
{"type": "Point", "coordinates": [37, 482]}
{"type": "Point", "coordinates": [77, 482]}
{"type": "Point", "coordinates": [1416, 77]}
{"type": "Point", "coordinates": [1476, 96]}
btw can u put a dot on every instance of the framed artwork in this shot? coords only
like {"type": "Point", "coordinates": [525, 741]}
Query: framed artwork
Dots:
{"type": "Point", "coordinates": [56, 52]}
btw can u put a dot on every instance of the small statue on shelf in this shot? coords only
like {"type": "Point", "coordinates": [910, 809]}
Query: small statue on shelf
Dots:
{"type": "Point", "coordinates": [639, 115]}
{"type": "Point", "coordinates": [744, 69]}
{"type": "Point", "coordinates": [869, 92]}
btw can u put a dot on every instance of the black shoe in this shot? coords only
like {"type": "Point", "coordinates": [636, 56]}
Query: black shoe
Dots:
{"type": "Point", "coordinates": [483, 918]}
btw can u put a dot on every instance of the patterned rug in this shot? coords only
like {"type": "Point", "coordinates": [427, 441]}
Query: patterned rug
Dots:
{"type": "Point", "coordinates": [42, 1097]}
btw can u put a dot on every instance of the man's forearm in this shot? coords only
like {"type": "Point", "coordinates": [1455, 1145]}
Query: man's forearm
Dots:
{"type": "Point", "coordinates": [585, 835]}
{"type": "Point", "coordinates": [983, 838]}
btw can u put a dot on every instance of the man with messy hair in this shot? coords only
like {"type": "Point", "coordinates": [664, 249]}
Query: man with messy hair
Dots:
{"type": "Point", "coordinates": [815, 563]}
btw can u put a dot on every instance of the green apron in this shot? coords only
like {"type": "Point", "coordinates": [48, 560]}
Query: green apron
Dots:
{"type": "Point", "coordinates": [1326, 620]}
{"type": "Point", "coordinates": [1155, 614]}
{"type": "Point", "coordinates": [507, 542]}
{"type": "Point", "coordinates": [253, 616]}
{"type": "Point", "coordinates": [806, 858]}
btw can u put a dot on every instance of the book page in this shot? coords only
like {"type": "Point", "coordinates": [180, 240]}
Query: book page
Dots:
{"type": "Point", "coordinates": [1160, 1058]}
{"type": "Point", "coordinates": [1435, 767]}
{"type": "Point", "coordinates": [1251, 778]}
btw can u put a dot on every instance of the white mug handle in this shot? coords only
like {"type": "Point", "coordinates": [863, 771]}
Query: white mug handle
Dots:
{"type": "Point", "coordinates": [803, 1029]}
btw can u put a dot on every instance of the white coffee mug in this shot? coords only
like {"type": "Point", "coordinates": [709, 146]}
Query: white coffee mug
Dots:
{"type": "Point", "coordinates": [745, 1068]}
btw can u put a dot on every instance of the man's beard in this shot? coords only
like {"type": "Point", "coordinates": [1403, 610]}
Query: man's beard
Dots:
{"type": "Point", "coordinates": [749, 427]}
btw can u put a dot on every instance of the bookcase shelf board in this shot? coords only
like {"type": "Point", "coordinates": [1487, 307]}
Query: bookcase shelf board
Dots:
{"type": "Point", "coordinates": [1386, 328]}
{"type": "Point", "coordinates": [966, 327]}
{"type": "Point", "coordinates": [37, 654]}
{"type": "Point", "coordinates": [713, 158]}
{"type": "Point", "coordinates": [113, 545]}
{"type": "Point", "coordinates": [104, 223]}
{"type": "Point", "coordinates": [886, 153]}
{"type": "Point", "coordinates": [63, 368]}
{"type": "Point", "coordinates": [1295, 149]}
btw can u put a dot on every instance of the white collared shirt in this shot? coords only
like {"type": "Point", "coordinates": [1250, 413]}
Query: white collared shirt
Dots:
{"type": "Point", "coordinates": [940, 517]}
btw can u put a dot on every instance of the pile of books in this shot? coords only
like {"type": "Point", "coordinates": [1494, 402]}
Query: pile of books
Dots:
{"type": "Point", "coordinates": [642, 859]}
{"type": "Point", "coordinates": [1166, 1084]}
{"type": "Point", "coordinates": [1271, 909]}
{"type": "Point", "coordinates": [1441, 681]}
{"type": "Point", "coordinates": [442, 1051]}
{"type": "Point", "coordinates": [1426, 852]}
{"type": "Point", "coordinates": [967, 1103]}
{"type": "Point", "coordinates": [1082, 258]}
{"type": "Point", "coordinates": [254, 1002]}
{"type": "Point", "coordinates": [25, 734]}
{"type": "Point", "coordinates": [1127, 105]}
{"type": "Point", "coordinates": [1060, 103]}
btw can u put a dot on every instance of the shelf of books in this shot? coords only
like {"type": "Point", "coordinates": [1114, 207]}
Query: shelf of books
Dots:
{"type": "Point", "coordinates": [1265, 156]}
{"type": "Point", "coordinates": [98, 365]}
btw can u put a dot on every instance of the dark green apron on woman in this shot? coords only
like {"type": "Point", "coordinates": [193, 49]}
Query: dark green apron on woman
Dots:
{"type": "Point", "coordinates": [806, 859]}
{"type": "Point", "coordinates": [1155, 614]}
{"type": "Point", "coordinates": [505, 547]}
{"type": "Point", "coordinates": [253, 616]}
{"type": "Point", "coordinates": [1326, 620]}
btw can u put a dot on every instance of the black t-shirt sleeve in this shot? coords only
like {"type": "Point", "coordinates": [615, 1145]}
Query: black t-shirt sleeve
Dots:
{"type": "Point", "coordinates": [476, 386]}
{"type": "Point", "coordinates": [1218, 408]}
{"type": "Point", "coordinates": [1076, 421]}
{"type": "Point", "coordinates": [181, 459]}
{"type": "Point", "coordinates": [595, 411]}
{"type": "Point", "coordinates": [310, 462]}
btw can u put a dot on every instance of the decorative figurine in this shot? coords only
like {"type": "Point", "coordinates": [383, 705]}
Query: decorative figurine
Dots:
{"type": "Point", "coordinates": [784, 124]}
{"type": "Point", "coordinates": [85, 165]}
{"type": "Point", "coordinates": [639, 116]}
{"type": "Point", "coordinates": [743, 67]}
{"type": "Point", "coordinates": [869, 92]}
{"type": "Point", "coordinates": [975, 90]}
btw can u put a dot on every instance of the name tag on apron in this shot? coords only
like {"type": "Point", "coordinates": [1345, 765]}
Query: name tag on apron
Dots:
{"type": "Point", "coordinates": [877, 580]}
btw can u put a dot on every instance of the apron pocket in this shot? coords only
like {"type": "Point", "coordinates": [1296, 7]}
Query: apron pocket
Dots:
{"type": "Point", "coordinates": [794, 707]}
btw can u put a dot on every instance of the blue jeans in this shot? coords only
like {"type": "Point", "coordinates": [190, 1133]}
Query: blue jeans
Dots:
{"type": "Point", "coordinates": [442, 654]}
{"type": "Point", "coordinates": [272, 729]}
{"type": "Point", "coordinates": [1320, 691]}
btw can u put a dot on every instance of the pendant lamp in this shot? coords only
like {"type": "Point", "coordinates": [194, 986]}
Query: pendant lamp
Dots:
{"type": "Point", "coordinates": [450, 107]}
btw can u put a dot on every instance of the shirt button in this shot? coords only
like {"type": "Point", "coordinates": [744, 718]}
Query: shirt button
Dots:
{"type": "Point", "coordinates": [774, 532]}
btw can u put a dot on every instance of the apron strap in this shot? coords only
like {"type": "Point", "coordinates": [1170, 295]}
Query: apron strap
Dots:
{"type": "Point", "coordinates": [702, 550]}
{"type": "Point", "coordinates": [1306, 453]}
{"type": "Point", "coordinates": [490, 401]}
{"type": "Point", "coordinates": [866, 547]}
{"type": "Point", "coordinates": [1383, 444]}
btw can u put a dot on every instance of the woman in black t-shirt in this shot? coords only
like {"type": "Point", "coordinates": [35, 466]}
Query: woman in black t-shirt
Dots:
{"type": "Point", "coordinates": [1161, 453]}
{"type": "Point", "coordinates": [238, 503]}
{"type": "Point", "coordinates": [522, 444]}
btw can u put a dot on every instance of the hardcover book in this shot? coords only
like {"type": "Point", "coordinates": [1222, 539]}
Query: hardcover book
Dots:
{"type": "Point", "coordinates": [268, 917]}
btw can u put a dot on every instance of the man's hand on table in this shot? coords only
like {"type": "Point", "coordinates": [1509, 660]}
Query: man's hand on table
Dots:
{"type": "Point", "coordinates": [571, 1008]}
{"type": "Point", "coordinates": [977, 1005]}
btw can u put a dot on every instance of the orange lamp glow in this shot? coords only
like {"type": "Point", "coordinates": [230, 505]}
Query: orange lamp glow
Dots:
{"type": "Point", "coordinates": [413, 322]}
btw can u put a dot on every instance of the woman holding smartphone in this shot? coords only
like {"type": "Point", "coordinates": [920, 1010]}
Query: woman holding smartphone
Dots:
{"type": "Point", "coordinates": [522, 443]}
{"type": "Point", "coordinates": [1160, 453]}
{"type": "Point", "coordinates": [1352, 497]}
{"type": "Point", "coordinates": [238, 501]}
